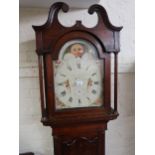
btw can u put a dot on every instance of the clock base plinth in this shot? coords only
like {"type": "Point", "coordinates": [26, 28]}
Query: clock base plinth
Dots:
{"type": "Point", "coordinates": [88, 139]}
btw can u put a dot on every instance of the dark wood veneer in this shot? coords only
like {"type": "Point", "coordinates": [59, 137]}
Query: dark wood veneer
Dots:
{"type": "Point", "coordinates": [81, 130]}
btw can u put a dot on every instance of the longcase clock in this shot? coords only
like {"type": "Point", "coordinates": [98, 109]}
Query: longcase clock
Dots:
{"type": "Point", "coordinates": [75, 80]}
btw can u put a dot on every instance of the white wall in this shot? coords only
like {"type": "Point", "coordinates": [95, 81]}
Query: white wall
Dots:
{"type": "Point", "coordinates": [120, 134]}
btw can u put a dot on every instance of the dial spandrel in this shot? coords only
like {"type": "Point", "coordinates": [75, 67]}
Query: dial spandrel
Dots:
{"type": "Point", "coordinates": [78, 79]}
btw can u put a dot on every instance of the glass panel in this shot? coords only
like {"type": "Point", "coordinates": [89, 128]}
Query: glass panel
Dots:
{"type": "Point", "coordinates": [78, 76]}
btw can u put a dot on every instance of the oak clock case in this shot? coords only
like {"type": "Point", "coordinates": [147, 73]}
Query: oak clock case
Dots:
{"type": "Point", "coordinates": [75, 80]}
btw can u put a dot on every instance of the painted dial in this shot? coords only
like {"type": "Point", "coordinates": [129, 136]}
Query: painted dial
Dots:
{"type": "Point", "coordinates": [78, 80]}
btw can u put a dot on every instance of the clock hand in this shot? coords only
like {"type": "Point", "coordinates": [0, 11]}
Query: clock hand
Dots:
{"type": "Point", "coordinates": [67, 85]}
{"type": "Point", "coordinates": [89, 84]}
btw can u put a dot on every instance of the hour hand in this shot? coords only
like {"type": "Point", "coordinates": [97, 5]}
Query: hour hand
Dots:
{"type": "Point", "coordinates": [89, 84]}
{"type": "Point", "coordinates": [67, 85]}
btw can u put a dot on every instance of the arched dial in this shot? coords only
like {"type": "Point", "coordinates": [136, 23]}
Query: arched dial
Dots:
{"type": "Point", "coordinates": [78, 80]}
{"type": "Point", "coordinates": [78, 83]}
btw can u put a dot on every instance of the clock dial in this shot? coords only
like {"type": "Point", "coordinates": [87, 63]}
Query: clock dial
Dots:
{"type": "Point", "coordinates": [78, 77]}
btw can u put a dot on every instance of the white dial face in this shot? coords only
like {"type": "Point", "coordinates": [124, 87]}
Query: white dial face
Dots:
{"type": "Point", "coordinates": [78, 77]}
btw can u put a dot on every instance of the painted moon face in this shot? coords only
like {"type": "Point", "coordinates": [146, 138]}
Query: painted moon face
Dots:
{"type": "Point", "coordinates": [77, 50]}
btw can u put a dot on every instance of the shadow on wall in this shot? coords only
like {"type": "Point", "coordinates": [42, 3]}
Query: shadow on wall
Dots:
{"type": "Point", "coordinates": [27, 54]}
{"type": "Point", "coordinates": [37, 16]}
